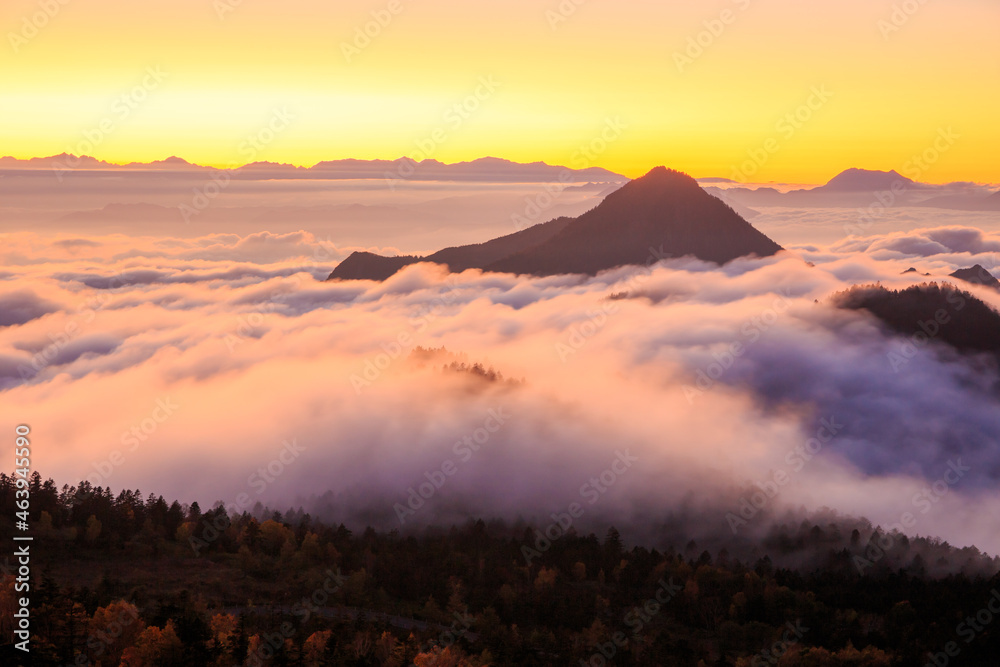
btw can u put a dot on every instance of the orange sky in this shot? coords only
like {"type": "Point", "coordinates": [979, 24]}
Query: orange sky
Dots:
{"type": "Point", "coordinates": [556, 80]}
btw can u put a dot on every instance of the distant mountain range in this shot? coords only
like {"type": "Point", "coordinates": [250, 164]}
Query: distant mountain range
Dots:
{"type": "Point", "coordinates": [67, 161]}
{"type": "Point", "coordinates": [663, 214]}
{"type": "Point", "coordinates": [864, 180]}
{"type": "Point", "coordinates": [865, 188]}
{"type": "Point", "coordinates": [850, 188]}
{"type": "Point", "coordinates": [853, 187]}
{"type": "Point", "coordinates": [486, 169]}
{"type": "Point", "coordinates": [965, 202]}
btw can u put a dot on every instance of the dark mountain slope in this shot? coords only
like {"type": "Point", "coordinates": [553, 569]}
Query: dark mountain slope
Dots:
{"type": "Point", "coordinates": [664, 211]}
{"type": "Point", "coordinates": [369, 266]}
{"type": "Point", "coordinates": [663, 214]}
{"type": "Point", "coordinates": [941, 312]}
{"type": "Point", "coordinates": [977, 275]}
{"type": "Point", "coordinates": [484, 254]}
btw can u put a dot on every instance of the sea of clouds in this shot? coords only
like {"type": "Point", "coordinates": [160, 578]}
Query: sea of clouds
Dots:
{"type": "Point", "coordinates": [223, 368]}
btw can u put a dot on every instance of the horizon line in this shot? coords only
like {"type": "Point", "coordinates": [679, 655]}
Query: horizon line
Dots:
{"type": "Point", "coordinates": [183, 163]}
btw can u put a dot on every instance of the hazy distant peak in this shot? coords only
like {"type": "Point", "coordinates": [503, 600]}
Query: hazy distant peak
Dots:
{"type": "Point", "coordinates": [172, 162]}
{"type": "Point", "coordinates": [489, 159]}
{"type": "Point", "coordinates": [63, 160]}
{"type": "Point", "coordinates": [270, 165]}
{"type": "Point", "coordinates": [866, 180]}
{"type": "Point", "coordinates": [482, 169]}
{"type": "Point", "coordinates": [977, 275]}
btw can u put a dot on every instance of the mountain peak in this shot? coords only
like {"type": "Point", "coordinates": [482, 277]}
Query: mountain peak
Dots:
{"type": "Point", "coordinates": [867, 180]}
{"type": "Point", "coordinates": [663, 171]}
{"type": "Point", "coordinates": [665, 211]}
{"type": "Point", "coordinates": [977, 275]}
{"type": "Point", "coordinates": [663, 177]}
{"type": "Point", "coordinates": [662, 214]}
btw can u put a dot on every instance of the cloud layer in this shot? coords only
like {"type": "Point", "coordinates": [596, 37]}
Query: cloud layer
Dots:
{"type": "Point", "coordinates": [220, 368]}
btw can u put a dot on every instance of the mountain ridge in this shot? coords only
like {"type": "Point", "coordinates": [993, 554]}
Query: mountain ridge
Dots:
{"type": "Point", "coordinates": [481, 169]}
{"type": "Point", "coordinates": [665, 209]}
{"type": "Point", "coordinates": [867, 180]}
{"type": "Point", "coordinates": [977, 275]}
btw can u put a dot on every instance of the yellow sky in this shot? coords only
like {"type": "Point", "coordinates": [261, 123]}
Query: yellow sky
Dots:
{"type": "Point", "coordinates": [889, 83]}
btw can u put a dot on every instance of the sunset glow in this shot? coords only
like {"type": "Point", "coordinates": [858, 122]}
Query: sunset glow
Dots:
{"type": "Point", "coordinates": [699, 85]}
{"type": "Point", "coordinates": [499, 333]}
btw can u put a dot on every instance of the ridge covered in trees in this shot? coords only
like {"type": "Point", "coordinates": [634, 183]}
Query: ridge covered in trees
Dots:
{"type": "Point", "coordinates": [131, 580]}
{"type": "Point", "coordinates": [930, 312]}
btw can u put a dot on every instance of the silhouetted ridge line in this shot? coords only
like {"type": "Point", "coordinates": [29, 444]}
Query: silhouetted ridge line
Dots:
{"type": "Point", "coordinates": [941, 313]}
{"type": "Point", "coordinates": [977, 275]}
{"type": "Point", "coordinates": [663, 214]}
